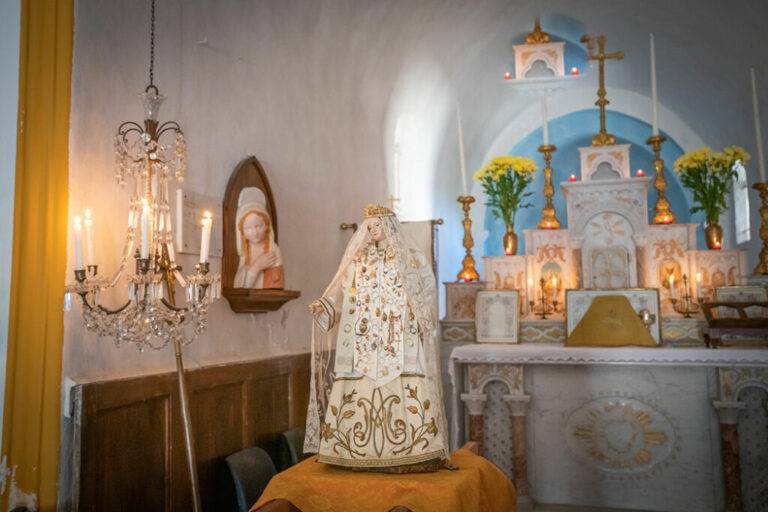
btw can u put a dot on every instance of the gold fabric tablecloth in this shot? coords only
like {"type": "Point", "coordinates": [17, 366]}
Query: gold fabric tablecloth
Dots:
{"type": "Point", "coordinates": [477, 486]}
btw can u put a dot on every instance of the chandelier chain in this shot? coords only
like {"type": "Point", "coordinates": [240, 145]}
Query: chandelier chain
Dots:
{"type": "Point", "coordinates": [152, 51]}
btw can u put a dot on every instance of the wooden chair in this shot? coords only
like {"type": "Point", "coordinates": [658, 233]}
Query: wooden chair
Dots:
{"type": "Point", "coordinates": [252, 469]}
{"type": "Point", "coordinates": [743, 325]}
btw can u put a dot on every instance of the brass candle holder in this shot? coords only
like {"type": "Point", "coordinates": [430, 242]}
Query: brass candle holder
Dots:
{"type": "Point", "coordinates": [548, 219]}
{"type": "Point", "coordinates": [762, 265]}
{"type": "Point", "coordinates": [663, 214]}
{"type": "Point", "coordinates": [468, 272]}
{"type": "Point", "coordinates": [687, 306]}
{"type": "Point", "coordinates": [542, 306]}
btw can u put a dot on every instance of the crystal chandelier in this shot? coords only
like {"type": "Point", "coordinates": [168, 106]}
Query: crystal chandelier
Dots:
{"type": "Point", "coordinates": [150, 155]}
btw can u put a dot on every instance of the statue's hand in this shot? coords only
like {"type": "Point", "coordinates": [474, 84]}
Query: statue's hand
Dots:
{"type": "Point", "coordinates": [316, 308]}
{"type": "Point", "coordinates": [263, 262]}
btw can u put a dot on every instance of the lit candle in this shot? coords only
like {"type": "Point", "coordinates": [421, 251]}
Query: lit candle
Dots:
{"type": "Point", "coordinates": [530, 289]}
{"type": "Point", "coordinates": [654, 97]}
{"type": "Point", "coordinates": [758, 131]}
{"type": "Point", "coordinates": [549, 225]}
{"type": "Point", "coordinates": [698, 285]}
{"type": "Point", "coordinates": [640, 173]}
{"type": "Point", "coordinates": [462, 161]}
{"type": "Point", "coordinates": [666, 220]}
{"type": "Point", "coordinates": [78, 244]}
{"type": "Point", "coordinates": [146, 212]}
{"type": "Point", "coordinates": [672, 287]}
{"type": "Point", "coordinates": [718, 244]}
{"type": "Point", "coordinates": [507, 76]}
{"type": "Point", "coordinates": [574, 70]}
{"type": "Point", "coordinates": [554, 289]}
{"type": "Point", "coordinates": [88, 238]}
{"type": "Point", "coordinates": [572, 177]}
{"type": "Point", "coordinates": [544, 123]}
{"type": "Point", "coordinates": [205, 241]}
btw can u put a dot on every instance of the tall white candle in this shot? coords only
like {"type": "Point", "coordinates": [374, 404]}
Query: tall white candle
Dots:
{"type": "Point", "coordinates": [462, 161]}
{"type": "Point", "coordinates": [654, 97]}
{"type": "Point", "coordinates": [78, 227]}
{"type": "Point", "coordinates": [88, 237]}
{"type": "Point", "coordinates": [554, 289]}
{"type": "Point", "coordinates": [544, 121]}
{"type": "Point", "coordinates": [758, 131]}
{"type": "Point", "coordinates": [530, 289]}
{"type": "Point", "coordinates": [698, 285]}
{"type": "Point", "coordinates": [145, 215]}
{"type": "Point", "coordinates": [672, 287]}
{"type": "Point", "coordinates": [205, 240]}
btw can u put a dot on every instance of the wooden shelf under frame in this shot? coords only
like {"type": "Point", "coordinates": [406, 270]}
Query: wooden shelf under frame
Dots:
{"type": "Point", "coordinates": [253, 300]}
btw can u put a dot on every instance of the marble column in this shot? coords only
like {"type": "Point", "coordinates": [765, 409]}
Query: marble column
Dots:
{"type": "Point", "coordinates": [728, 412]}
{"type": "Point", "coordinates": [518, 408]}
{"type": "Point", "coordinates": [475, 403]}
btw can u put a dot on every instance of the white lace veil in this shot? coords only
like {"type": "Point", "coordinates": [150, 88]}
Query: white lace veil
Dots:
{"type": "Point", "coordinates": [421, 292]}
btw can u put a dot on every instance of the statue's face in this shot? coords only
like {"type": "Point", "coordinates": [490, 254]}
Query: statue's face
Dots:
{"type": "Point", "coordinates": [254, 228]}
{"type": "Point", "coordinates": [376, 230]}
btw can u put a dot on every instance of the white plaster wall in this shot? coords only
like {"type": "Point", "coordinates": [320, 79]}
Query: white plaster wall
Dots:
{"type": "Point", "coordinates": [314, 90]}
{"type": "Point", "coordinates": [10, 16]}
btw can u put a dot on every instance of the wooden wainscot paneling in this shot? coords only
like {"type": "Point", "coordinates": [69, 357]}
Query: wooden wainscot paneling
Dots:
{"type": "Point", "coordinates": [128, 451]}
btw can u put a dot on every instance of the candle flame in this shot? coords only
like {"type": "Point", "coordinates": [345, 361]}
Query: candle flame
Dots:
{"type": "Point", "coordinates": [207, 214]}
{"type": "Point", "coordinates": [698, 276]}
{"type": "Point", "coordinates": [530, 281]}
{"type": "Point", "coordinates": [77, 220]}
{"type": "Point", "coordinates": [87, 214]}
{"type": "Point", "coordinates": [144, 201]}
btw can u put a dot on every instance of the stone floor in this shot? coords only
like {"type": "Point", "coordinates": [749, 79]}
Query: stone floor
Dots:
{"type": "Point", "coordinates": [543, 507]}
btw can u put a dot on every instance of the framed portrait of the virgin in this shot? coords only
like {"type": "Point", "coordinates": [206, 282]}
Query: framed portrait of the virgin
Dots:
{"type": "Point", "coordinates": [253, 271]}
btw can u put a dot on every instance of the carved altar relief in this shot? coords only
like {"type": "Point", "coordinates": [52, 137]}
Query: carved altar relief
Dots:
{"type": "Point", "coordinates": [621, 435]}
{"type": "Point", "coordinates": [666, 255]}
{"type": "Point", "coordinates": [719, 268]}
{"type": "Point", "coordinates": [550, 54]}
{"type": "Point", "coordinates": [609, 253]}
{"type": "Point", "coordinates": [550, 254]}
{"type": "Point", "coordinates": [460, 300]}
{"type": "Point", "coordinates": [605, 162]}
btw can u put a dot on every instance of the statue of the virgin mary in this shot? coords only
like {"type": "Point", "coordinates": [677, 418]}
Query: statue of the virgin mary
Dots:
{"type": "Point", "coordinates": [378, 405]}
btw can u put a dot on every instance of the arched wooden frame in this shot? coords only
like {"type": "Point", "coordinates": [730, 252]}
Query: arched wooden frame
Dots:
{"type": "Point", "coordinates": [248, 173]}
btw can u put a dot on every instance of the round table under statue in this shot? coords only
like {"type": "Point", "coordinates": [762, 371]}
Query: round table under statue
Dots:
{"type": "Point", "coordinates": [475, 486]}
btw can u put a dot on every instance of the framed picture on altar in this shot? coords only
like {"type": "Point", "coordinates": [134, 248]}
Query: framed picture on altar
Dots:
{"type": "Point", "coordinates": [497, 317]}
{"type": "Point", "coordinates": [642, 300]}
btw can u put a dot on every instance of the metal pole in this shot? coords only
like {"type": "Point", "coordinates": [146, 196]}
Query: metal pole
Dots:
{"type": "Point", "coordinates": [187, 421]}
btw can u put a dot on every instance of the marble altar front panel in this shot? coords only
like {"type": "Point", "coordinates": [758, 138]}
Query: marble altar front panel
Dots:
{"type": "Point", "coordinates": [624, 437]}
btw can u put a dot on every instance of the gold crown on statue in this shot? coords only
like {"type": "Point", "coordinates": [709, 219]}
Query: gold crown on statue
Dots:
{"type": "Point", "coordinates": [375, 210]}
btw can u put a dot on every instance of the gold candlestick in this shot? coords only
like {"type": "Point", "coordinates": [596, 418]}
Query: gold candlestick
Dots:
{"type": "Point", "coordinates": [762, 265]}
{"type": "Point", "coordinates": [548, 219]}
{"type": "Point", "coordinates": [468, 272]}
{"type": "Point", "coordinates": [663, 214]}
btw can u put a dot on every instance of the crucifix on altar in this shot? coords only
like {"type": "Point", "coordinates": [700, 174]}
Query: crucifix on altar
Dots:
{"type": "Point", "coordinates": [603, 138]}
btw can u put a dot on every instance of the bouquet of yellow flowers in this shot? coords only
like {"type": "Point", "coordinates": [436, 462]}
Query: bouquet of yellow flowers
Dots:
{"type": "Point", "coordinates": [504, 181]}
{"type": "Point", "coordinates": [710, 174]}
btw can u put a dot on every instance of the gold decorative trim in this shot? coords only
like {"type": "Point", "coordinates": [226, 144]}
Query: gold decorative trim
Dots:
{"type": "Point", "coordinates": [401, 461]}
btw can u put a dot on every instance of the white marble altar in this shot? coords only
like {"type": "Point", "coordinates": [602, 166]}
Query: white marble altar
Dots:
{"type": "Point", "coordinates": [636, 428]}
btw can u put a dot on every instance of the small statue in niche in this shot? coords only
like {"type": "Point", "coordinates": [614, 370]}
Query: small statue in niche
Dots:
{"type": "Point", "coordinates": [260, 264]}
{"type": "Point", "coordinates": [377, 406]}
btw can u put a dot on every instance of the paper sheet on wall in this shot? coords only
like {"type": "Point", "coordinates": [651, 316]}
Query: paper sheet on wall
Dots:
{"type": "Point", "coordinates": [189, 211]}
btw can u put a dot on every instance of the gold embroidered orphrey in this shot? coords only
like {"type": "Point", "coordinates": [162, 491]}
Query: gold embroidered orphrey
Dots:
{"type": "Point", "coordinates": [376, 404]}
